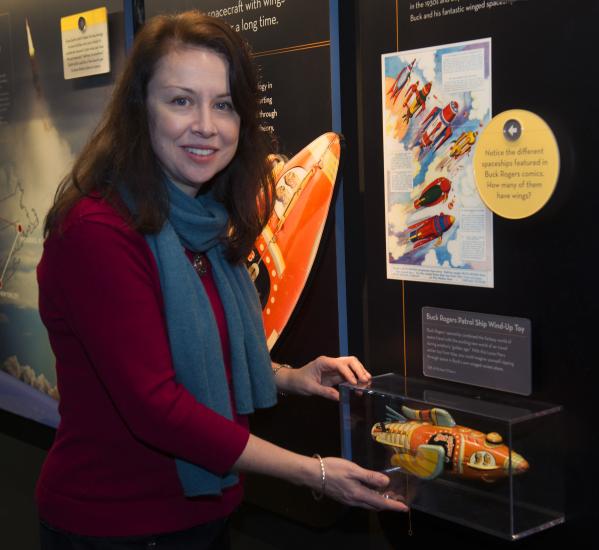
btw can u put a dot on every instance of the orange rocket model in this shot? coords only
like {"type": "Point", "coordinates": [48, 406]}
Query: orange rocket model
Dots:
{"type": "Point", "coordinates": [285, 250]}
{"type": "Point", "coordinates": [427, 443]}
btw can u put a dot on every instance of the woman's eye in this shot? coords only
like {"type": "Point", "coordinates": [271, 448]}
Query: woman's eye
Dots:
{"type": "Point", "coordinates": [224, 106]}
{"type": "Point", "coordinates": [181, 101]}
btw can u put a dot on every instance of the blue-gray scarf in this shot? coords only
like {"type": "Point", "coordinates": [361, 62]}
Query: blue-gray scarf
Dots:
{"type": "Point", "coordinates": [199, 224]}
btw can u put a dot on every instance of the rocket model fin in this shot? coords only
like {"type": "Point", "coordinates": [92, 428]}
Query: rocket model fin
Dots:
{"type": "Point", "coordinates": [438, 417]}
{"type": "Point", "coordinates": [394, 416]}
{"type": "Point", "coordinates": [442, 418]}
{"type": "Point", "coordinates": [427, 463]}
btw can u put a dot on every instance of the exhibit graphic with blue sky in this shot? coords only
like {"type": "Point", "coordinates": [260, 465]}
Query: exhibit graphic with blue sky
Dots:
{"type": "Point", "coordinates": [435, 103]}
{"type": "Point", "coordinates": [44, 122]}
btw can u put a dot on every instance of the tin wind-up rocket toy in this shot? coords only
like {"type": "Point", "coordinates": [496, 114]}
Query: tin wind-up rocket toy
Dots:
{"type": "Point", "coordinates": [426, 443]}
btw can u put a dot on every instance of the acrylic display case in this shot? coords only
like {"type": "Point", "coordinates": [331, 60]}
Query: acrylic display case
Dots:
{"type": "Point", "coordinates": [492, 462]}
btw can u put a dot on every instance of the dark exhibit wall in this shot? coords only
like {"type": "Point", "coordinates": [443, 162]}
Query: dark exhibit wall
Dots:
{"type": "Point", "coordinates": [538, 62]}
{"type": "Point", "coordinates": [535, 260]}
{"type": "Point", "coordinates": [298, 83]}
{"type": "Point", "coordinates": [44, 121]}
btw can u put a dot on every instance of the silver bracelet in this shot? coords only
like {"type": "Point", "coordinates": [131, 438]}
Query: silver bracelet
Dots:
{"type": "Point", "coordinates": [323, 478]}
{"type": "Point", "coordinates": [279, 367]}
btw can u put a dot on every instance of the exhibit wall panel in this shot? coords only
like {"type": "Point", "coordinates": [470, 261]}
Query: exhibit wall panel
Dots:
{"type": "Point", "coordinates": [44, 122]}
{"type": "Point", "coordinates": [542, 263]}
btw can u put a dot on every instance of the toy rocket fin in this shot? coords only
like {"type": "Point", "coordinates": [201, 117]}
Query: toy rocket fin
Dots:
{"type": "Point", "coordinates": [438, 417]}
{"type": "Point", "coordinates": [394, 416]}
{"type": "Point", "coordinates": [427, 463]}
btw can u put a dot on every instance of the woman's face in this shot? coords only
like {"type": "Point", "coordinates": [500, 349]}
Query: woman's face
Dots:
{"type": "Point", "coordinates": [194, 127]}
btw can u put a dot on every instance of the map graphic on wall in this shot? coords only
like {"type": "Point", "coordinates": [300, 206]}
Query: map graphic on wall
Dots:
{"type": "Point", "coordinates": [44, 122]}
{"type": "Point", "coordinates": [435, 103]}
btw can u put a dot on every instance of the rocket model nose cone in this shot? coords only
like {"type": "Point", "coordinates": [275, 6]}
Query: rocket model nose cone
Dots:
{"type": "Point", "coordinates": [377, 429]}
{"type": "Point", "coordinates": [519, 463]}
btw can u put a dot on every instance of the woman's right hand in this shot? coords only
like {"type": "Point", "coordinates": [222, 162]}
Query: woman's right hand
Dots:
{"type": "Point", "coordinates": [351, 484]}
{"type": "Point", "coordinates": [345, 481]}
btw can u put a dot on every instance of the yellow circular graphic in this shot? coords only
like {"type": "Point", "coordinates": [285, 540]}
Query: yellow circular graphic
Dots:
{"type": "Point", "coordinates": [516, 164]}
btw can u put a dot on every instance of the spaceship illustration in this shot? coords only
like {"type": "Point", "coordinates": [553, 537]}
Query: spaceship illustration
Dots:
{"type": "Point", "coordinates": [427, 443]}
{"type": "Point", "coordinates": [463, 145]}
{"type": "Point", "coordinates": [436, 127]}
{"type": "Point", "coordinates": [400, 81]}
{"type": "Point", "coordinates": [415, 106]}
{"type": "Point", "coordinates": [434, 193]}
{"type": "Point", "coordinates": [429, 229]}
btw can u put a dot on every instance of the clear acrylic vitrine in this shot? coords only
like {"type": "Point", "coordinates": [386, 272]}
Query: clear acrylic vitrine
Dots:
{"type": "Point", "coordinates": [493, 462]}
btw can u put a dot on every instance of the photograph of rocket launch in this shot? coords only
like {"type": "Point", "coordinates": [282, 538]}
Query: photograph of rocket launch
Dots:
{"type": "Point", "coordinates": [45, 122]}
{"type": "Point", "coordinates": [435, 103]}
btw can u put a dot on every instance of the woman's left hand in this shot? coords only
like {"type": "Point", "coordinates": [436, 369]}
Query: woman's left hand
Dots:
{"type": "Point", "coordinates": [318, 376]}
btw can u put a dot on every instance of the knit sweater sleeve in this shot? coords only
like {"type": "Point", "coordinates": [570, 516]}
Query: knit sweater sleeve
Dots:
{"type": "Point", "coordinates": [110, 289]}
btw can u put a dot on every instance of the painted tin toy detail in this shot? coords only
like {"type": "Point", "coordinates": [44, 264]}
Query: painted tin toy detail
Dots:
{"type": "Point", "coordinates": [284, 252]}
{"type": "Point", "coordinates": [426, 443]}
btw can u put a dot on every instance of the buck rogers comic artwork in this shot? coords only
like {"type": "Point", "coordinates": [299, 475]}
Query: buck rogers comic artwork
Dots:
{"type": "Point", "coordinates": [435, 103]}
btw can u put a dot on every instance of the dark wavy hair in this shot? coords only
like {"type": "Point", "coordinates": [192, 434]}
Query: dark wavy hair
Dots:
{"type": "Point", "coordinates": [120, 151]}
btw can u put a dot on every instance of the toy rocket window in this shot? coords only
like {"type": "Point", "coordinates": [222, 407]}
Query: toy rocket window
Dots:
{"type": "Point", "coordinates": [482, 460]}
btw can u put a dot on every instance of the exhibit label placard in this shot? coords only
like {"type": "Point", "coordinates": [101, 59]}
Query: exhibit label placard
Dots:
{"type": "Point", "coordinates": [85, 50]}
{"type": "Point", "coordinates": [490, 351]}
{"type": "Point", "coordinates": [516, 164]}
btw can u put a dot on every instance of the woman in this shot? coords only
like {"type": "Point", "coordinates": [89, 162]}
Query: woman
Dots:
{"type": "Point", "coordinates": [152, 317]}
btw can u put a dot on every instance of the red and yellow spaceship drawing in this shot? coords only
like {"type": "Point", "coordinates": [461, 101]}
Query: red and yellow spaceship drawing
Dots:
{"type": "Point", "coordinates": [430, 229]}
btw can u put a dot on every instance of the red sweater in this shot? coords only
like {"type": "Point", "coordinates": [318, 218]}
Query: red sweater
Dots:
{"type": "Point", "coordinates": [111, 469]}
